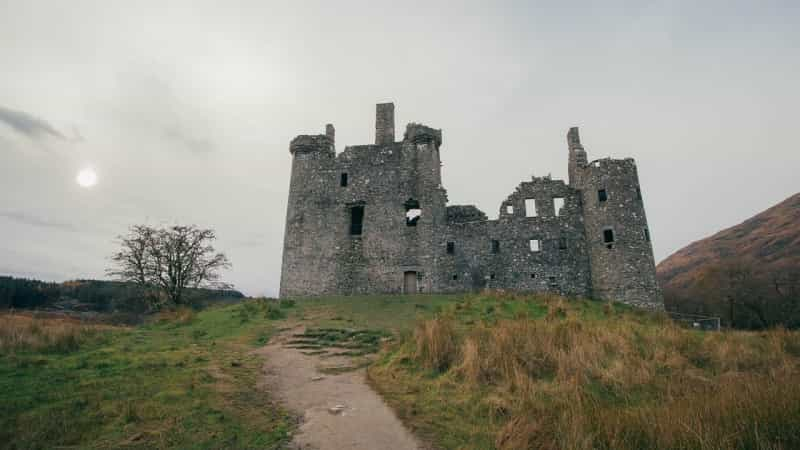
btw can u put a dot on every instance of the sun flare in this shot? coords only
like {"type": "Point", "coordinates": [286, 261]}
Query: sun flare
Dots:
{"type": "Point", "coordinates": [87, 178]}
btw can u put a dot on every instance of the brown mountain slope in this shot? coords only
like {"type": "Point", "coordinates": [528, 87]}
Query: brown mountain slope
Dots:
{"type": "Point", "coordinates": [770, 240]}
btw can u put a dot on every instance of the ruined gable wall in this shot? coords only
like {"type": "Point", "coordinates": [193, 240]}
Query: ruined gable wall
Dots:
{"type": "Point", "coordinates": [510, 264]}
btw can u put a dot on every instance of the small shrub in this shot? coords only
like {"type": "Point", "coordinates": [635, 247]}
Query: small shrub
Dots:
{"type": "Point", "coordinates": [287, 303]}
{"type": "Point", "coordinates": [274, 312]}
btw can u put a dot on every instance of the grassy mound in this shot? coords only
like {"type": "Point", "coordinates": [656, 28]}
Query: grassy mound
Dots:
{"type": "Point", "coordinates": [586, 375]}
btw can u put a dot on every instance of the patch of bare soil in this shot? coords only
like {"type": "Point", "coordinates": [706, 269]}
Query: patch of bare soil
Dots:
{"type": "Point", "coordinates": [329, 391]}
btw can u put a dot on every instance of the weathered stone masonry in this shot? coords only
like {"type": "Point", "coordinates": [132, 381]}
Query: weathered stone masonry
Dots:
{"type": "Point", "coordinates": [375, 219]}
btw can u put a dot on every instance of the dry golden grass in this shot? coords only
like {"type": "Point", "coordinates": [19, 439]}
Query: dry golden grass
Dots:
{"type": "Point", "coordinates": [28, 332]}
{"type": "Point", "coordinates": [181, 315]}
{"type": "Point", "coordinates": [618, 383]}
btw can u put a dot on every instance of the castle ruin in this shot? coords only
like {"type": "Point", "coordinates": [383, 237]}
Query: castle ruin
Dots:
{"type": "Point", "coordinates": [375, 219]}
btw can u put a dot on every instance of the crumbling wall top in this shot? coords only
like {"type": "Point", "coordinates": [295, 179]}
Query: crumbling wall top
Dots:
{"type": "Point", "coordinates": [422, 134]}
{"type": "Point", "coordinates": [464, 214]}
{"type": "Point", "coordinates": [306, 143]}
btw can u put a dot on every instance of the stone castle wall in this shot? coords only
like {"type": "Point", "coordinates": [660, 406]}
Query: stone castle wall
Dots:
{"type": "Point", "coordinates": [411, 240]}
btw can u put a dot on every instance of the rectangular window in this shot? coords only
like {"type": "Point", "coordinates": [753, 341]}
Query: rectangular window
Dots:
{"type": "Point", "coordinates": [602, 195]}
{"type": "Point", "coordinates": [608, 237]}
{"type": "Point", "coordinates": [491, 276]}
{"type": "Point", "coordinates": [356, 220]}
{"type": "Point", "coordinates": [343, 180]}
{"type": "Point", "coordinates": [455, 277]}
{"type": "Point", "coordinates": [558, 204]}
{"type": "Point", "coordinates": [495, 246]}
{"type": "Point", "coordinates": [562, 243]}
{"type": "Point", "coordinates": [638, 194]}
{"type": "Point", "coordinates": [451, 248]}
{"type": "Point", "coordinates": [647, 235]}
{"type": "Point", "coordinates": [533, 275]}
{"type": "Point", "coordinates": [509, 209]}
{"type": "Point", "coordinates": [535, 245]}
{"type": "Point", "coordinates": [530, 207]}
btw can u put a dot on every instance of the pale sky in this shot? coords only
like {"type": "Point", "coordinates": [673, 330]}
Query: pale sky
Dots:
{"type": "Point", "coordinates": [186, 111]}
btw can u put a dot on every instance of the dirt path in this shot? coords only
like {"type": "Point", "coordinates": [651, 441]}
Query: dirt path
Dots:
{"type": "Point", "coordinates": [339, 410]}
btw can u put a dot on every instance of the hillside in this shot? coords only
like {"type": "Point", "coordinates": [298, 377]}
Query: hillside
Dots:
{"type": "Point", "coordinates": [769, 241]}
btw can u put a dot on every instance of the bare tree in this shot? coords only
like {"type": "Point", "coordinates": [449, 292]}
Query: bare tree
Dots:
{"type": "Point", "coordinates": [169, 260]}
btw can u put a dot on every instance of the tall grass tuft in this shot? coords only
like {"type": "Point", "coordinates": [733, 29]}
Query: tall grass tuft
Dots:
{"type": "Point", "coordinates": [436, 345]}
{"type": "Point", "coordinates": [23, 332]}
{"type": "Point", "coordinates": [616, 382]}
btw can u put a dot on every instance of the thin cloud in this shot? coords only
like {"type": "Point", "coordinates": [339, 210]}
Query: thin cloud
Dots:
{"type": "Point", "coordinates": [31, 126]}
{"type": "Point", "coordinates": [192, 143]}
{"type": "Point", "coordinates": [30, 219]}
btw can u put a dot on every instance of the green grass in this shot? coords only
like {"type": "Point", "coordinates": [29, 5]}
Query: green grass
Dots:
{"type": "Point", "coordinates": [463, 371]}
{"type": "Point", "coordinates": [187, 383]}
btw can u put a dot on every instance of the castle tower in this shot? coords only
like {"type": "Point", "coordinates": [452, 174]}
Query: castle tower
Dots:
{"type": "Point", "coordinates": [311, 156]}
{"type": "Point", "coordinates": [617, 234]}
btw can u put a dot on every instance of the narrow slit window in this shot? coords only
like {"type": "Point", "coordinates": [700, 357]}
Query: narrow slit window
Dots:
{"type": "Point", "coordinates": [602, 195]}
{"type": "Point", "coordinates": [646, 235]}
{"type": "Point", "coordinates": [413, 212]}
{"type": "Point", "coordinates": [562, 243]}
{"type": "Point", "coordinates": [535, 245]}
{"type": "Point", "coordinates": [638, 193]}
{"type": "Point", "coordinates": [343, 180]}
{"type": "Point", "coordinates": [509, 209]}
{"type": "Point", "coordinates": [495, 246]}
{"type": "Point", "coordinates": [608, 237]}
{"type": "Point", "coordinates": [530, 207]}
{"type": "Point", "coordinates": [356, 220]}
{"type": "Point", "coordinates": [451, 248]}
{"type": "Point", "coordinates": [558, 204]}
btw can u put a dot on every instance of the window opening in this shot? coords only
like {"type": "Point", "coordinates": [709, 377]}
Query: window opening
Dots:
{"type": "Point", "coordinates": [413, 212]}
{"type": "Point", "coordinates": [451, 248]}
{"type": "Point", "coordinates": [535, 245]}
{"type": "Point", "coordinates": [533, 275]}
{"type": "Point", "coordinates": [343, 180]}
{"type": "Point", "coordinates": [608, 237]}
{"type": "Point", "coordinates": [495, 246]}
{"type": "Point", "coordinates": [558, 204]}
{"type": "Point", "coordinates": [455, 277]}
{"type": "Point", "coordinates": [602, 195]}
{"type": "Point", "coordinates": [638, 194]}
{"type": "Point", "coordinates": [647, 235]}
{"type": "Point", "coordinates": [509, 209]}
{"type": "Point", "coordinates": [356, 220]}
{"type": "Point", "coordinates": [530, 207]}
{"type": "Point", "coordinates": [562, 243]}
{"type": "Point", "coordinates": [491, 276]}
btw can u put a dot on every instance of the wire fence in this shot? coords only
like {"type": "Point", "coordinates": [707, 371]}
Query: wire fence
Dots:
{"type": "Point", "coordinates": [697, 321]}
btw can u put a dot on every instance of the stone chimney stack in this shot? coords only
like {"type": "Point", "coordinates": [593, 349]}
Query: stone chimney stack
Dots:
{"type": "Point", "coordinates": [577, 156]}
{"type": "Point", "coordinates": [330, 132]}
{"type": "Point", "coordinates": [384, 123]}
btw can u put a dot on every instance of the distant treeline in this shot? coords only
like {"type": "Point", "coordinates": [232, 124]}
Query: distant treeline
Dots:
{"type": "Point", "coordinates": [743, 295]}
{"type": "Point", "coordinates": [90, 295]}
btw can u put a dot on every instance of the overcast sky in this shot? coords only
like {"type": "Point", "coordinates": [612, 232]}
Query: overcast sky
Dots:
{"type": "Point", "coordinates": [186, 111]}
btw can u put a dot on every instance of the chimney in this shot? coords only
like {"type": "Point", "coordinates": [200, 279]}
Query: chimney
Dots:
{"type": "Point", "coordinates": [384, 123]}
{"type": "Point", "coordinates": [330, 132]}
{"type": "Point", "coordinates": [574, 139]}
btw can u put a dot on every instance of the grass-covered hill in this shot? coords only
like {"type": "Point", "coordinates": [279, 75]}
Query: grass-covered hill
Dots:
{"type": "Point", "coordinates": [463, 371]}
